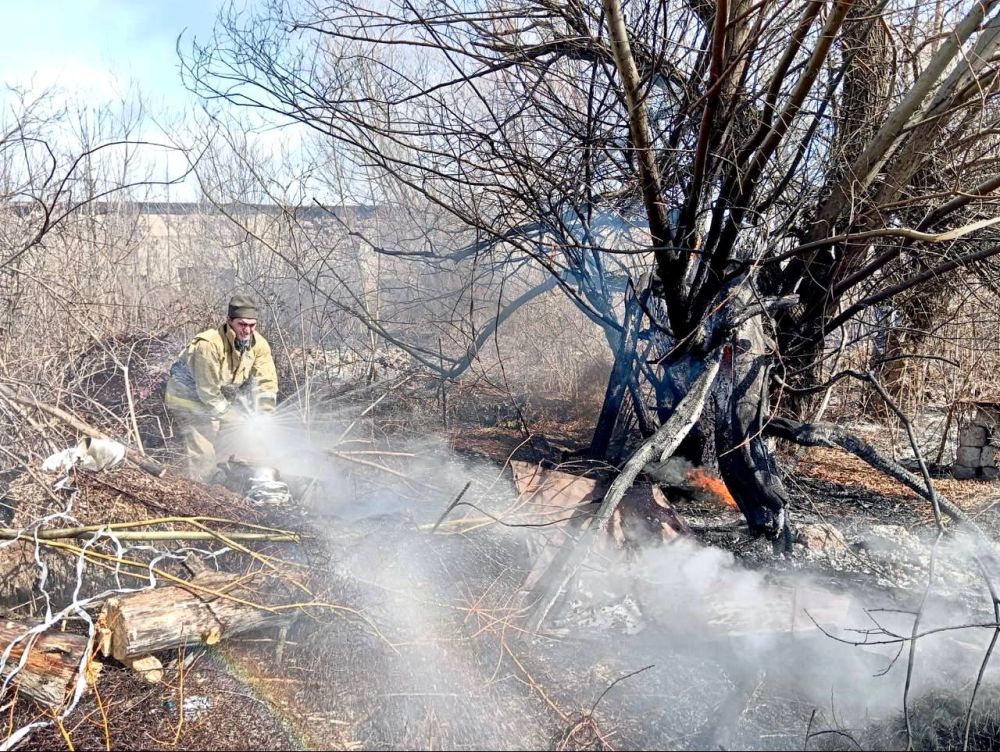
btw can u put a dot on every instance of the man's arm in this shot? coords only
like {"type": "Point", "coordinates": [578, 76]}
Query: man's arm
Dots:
{"type": "Point", "coordinates": [266, 376]}
{"type": "Point", "coordinates": [207, 372]}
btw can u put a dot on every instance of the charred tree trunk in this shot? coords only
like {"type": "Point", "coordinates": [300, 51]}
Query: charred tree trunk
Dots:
{"type": "Point", "coordinates": [742, 409]}
{"type": "Point", "coordinates": [698, 447]}
{"type": "Point", "coordinates": [727, 431]}
{"type": "Point", "coordinates": [623, 385]}
{"type": "Point", "coordinates": [730, 431]}
{"type": "Point", "coordinates": [660, 445]}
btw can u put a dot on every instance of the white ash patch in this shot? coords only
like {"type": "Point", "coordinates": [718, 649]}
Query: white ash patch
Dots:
{"type": "Point", "coordinates": [623, 616]}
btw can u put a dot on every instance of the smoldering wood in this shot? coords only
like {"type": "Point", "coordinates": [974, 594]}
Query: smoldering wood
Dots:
{"type": "Point", "coordinates": [729, 431]}
{"type": "Point", "coordinates": [661, 444]}
{"type": "Point", "coordinates": [212, 607]}
{"type": "Point", "coordinates": [563, 505]}
{"type": "Point", "coordinates": [452, 505]}
{"type": "Point", "coordinates": [644, 516]}
{"type": "Point", "coordinates": [52, 665]}
{"type": "Point", "coordinates": [677, 475]}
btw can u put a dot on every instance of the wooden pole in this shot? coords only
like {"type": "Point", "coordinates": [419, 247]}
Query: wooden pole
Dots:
{"type": "Point", "coordinates": [10, 533]}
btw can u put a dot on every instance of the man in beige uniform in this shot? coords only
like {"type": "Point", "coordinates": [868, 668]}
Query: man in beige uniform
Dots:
{"type": "Point", "coordinates": [221, 373]}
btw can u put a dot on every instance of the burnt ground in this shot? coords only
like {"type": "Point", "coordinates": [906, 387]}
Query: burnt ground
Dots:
{"type": "Point", "coordinates": [678, 649]}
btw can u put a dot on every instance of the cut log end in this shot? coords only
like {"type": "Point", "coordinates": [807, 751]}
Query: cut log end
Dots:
{"type": "Point", "coordinates": [147, 666]}
{"type": "Point", "coordinates": [49, 672]}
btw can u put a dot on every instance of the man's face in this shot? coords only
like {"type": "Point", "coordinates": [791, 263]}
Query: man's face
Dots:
{"type": "Point", "coordinates": [243, 328]}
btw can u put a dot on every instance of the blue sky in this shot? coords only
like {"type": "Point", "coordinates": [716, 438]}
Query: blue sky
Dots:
{"type": "Point", "coordinates": [95, 48]}
{"type": "Point", "coordinates": [93, 53]}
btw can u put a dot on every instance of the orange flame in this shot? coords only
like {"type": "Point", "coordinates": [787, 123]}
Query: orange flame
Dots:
{"type": "Point", "coordinates": [711, 484]}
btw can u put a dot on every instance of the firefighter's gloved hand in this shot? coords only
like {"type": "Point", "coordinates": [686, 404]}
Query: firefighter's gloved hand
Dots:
{"type": "Point", "coordinates": [266, 404]}
{"type": "Point", "coordinates": [230, 418]}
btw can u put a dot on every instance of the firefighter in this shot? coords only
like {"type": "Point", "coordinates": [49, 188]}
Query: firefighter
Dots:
{"type": "Point", "coordinates": [223, 376]}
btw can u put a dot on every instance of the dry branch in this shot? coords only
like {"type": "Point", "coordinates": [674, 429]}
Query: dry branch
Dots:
{"type": "Point", "coordinates": [87, 531]}
{"type": "Point", "coordinates": [145, 463]}
{"type": "Point", "coordinates": [665, 441]}
{"type": "Point", "coordinates": [824, 435]}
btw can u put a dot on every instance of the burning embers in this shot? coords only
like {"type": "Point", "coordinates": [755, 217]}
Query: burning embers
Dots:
{"type": "Point", "coordinates": [698, 483]}
{"type": "Point", "coordinates": [711, 485]}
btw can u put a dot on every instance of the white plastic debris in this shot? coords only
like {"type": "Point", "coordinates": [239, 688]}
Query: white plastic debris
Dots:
{"type": "Point", "coordinates": [195, 706]}
{"type": "Point", "coordinates": [101, 454]}
{"type": "Point", "coordinates": [268, 493]}
{"type": "Point", "coordinates": [90, 454]}
{"type": "Point", "coordinates": [264, 487]}
{"type": "Point", "coordinates": [61, 462]}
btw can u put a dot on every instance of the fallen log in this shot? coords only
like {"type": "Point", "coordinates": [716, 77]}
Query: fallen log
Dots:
{"type": "Point", "coordinates": [51, 667]}
{"type": "Point", "coordinates": [211, 607]}
{"type": "Point", "coordinates": [828, 435]}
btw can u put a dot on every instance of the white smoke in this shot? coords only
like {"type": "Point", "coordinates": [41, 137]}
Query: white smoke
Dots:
{"type": "Point", "coordinates": [737, 657]}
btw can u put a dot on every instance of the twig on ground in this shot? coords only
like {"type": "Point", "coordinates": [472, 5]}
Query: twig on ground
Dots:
{"type": "Point", "coordinates": [451, 506]}
{"type": "Point", "coordinates": [987, 656]}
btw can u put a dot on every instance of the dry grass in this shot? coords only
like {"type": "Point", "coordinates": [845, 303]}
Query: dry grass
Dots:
{"type": "Point", "coordinates": [847, 470]}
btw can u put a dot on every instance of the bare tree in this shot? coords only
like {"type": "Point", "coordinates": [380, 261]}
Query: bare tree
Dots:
{"type": "Point", "coordinates": [782, 168]}
{"type": "Point", "coordinates": [69, 182]}
{"type": "Point", "coordinates": [75, 281]}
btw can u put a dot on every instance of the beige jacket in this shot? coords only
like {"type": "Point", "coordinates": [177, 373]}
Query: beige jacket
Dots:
{"type": "Point", "coordinates": [206, 374]}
